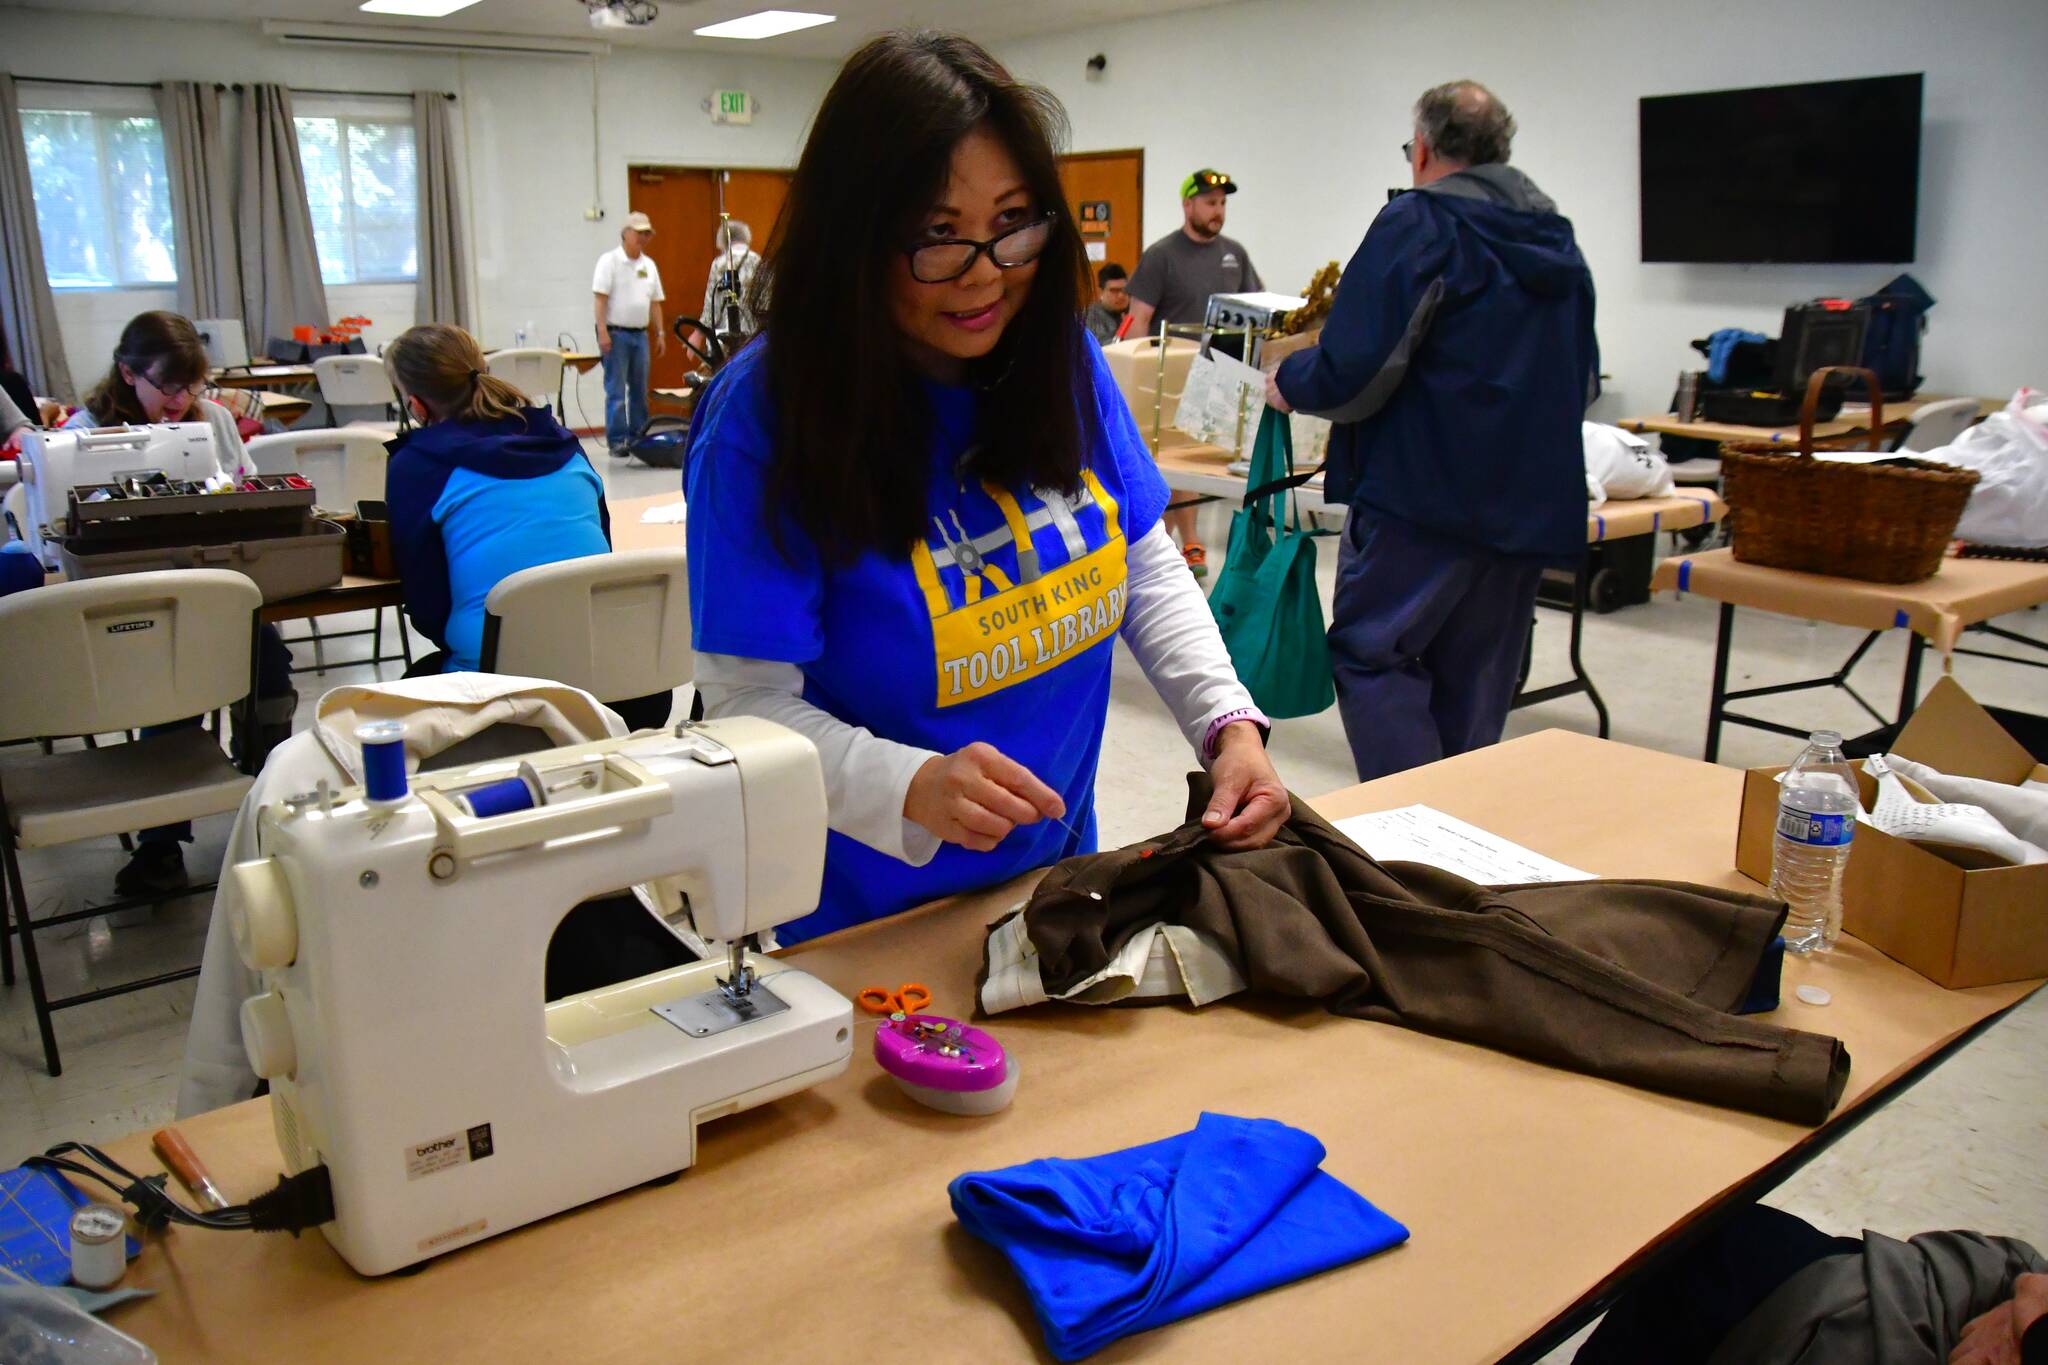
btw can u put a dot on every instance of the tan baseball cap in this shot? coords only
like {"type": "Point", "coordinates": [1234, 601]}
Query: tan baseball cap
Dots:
{"type": "Point", "coordinates": [640, 222]}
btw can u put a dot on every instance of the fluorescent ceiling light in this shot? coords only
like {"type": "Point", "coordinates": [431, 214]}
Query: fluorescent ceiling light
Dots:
{"type": "Point", "coordinates": [418, 9]}
{"type": "Point", "coordinates": [769, 23]}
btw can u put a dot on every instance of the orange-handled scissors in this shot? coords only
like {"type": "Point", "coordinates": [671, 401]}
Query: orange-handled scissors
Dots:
{"type": "Point", "coordinates": [908, 998]}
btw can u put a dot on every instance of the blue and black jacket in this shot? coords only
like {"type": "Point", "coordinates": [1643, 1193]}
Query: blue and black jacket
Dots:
{"type": "Point", "coordinates": [474, 502]}
{"type": "Point", "coordinates": [1458, 361]}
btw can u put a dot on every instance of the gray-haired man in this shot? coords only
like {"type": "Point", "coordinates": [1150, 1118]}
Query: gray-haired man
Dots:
{"type": "Point", "coordinates": [1457, 362]}
{"type": "Point", "coordinates": [733, 268]}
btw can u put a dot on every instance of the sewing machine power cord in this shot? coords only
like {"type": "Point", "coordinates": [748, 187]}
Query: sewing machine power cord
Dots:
{"type": "Point", "coordinates": [299, 1201]}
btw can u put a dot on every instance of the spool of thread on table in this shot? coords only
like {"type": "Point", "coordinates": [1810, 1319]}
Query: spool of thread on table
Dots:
{"type": "Point", "coordinates": [383, 744]}
{"type": "Point", "coordinates": [99, 1247]}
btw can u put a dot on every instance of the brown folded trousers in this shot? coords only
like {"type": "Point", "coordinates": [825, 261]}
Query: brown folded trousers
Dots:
{"type": "Point", "coordinates": [1630, 980]}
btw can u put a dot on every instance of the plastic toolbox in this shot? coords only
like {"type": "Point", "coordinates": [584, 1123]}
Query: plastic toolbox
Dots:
{"type": "Point", "coordinates": [264, 529]}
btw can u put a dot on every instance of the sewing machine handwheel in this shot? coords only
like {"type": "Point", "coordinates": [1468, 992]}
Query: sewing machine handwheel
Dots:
{"type": "Point", "coordinates": [260, 917]}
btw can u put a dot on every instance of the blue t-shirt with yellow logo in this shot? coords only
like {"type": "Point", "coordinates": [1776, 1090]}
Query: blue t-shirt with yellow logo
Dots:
{"type": "Point", "coordinates": [997, 626]}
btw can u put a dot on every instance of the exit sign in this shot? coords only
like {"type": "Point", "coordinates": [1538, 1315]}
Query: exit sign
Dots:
{"type": "Point", "coordinates": [732, 106]}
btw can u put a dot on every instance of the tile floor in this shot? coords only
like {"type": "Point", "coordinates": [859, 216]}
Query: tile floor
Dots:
{"type": "Point", "coordinates": [1963, 1149]}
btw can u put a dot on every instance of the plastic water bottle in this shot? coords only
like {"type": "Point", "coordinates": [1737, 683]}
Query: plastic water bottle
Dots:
{"type": "Point", "coordinates": [519, 337]}
{"type": "Point", "coordinates": [1817, 806]}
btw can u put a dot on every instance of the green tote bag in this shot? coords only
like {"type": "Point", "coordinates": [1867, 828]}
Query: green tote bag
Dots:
{"type": "Point", "coordinates": [1265, 600]}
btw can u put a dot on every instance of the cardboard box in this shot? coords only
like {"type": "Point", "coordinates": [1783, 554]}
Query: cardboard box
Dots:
{"type": "Point", "coordinates": [1957, 926]}
{"type": "Point", "coordinates": [1279, 348]}
{"type": "Point", "coordinates": [1135, 364]}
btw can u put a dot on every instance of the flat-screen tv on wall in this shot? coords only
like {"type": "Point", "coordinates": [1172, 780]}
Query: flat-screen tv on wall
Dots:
{"type": "Point", "coordinates": [1827, 172]}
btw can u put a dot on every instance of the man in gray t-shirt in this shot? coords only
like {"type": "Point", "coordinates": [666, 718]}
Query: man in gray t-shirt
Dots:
{"type": "Point", "coordinates": [1179, 272]}
{"type": "Point", "coordinates": [1175, 278]}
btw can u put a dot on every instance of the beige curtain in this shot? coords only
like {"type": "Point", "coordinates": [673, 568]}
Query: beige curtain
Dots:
{"type": "Point", "coordinates": [444, 252]}
{"type": "Point", "coordinates": [28, 312]}
{"type": "Point", "coordinates": [281, 285]}
{"type": "Point", "coordinates": [202, 201]}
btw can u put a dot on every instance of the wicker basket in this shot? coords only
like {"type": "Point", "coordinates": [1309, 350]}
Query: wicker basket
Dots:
{"type": "Point", "coordinates": [1886, 523]}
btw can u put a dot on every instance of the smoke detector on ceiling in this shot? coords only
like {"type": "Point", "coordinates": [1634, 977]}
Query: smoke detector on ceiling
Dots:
{"type": "Point", "coordinates": [621, 13]}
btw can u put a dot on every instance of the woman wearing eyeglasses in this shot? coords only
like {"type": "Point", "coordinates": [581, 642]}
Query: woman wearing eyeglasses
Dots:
{"type": "Point", "coordinates": [159, 369]}
{"type": "Point", "coordinates": [920, 511]}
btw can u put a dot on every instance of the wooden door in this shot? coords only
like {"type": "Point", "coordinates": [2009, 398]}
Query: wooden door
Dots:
{"type": "Point", "coordinates": [682, 203]}
{"type": "Point", "coordinates": [1114, 182]}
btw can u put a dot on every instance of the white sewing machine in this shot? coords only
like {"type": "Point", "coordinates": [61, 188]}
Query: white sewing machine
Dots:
{"type": "Point", "coordinates": [402, 944]}
{"type": "Point", "coordinates": [55, 462]}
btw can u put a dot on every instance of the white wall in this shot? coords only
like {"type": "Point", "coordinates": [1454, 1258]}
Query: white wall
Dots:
{"type": "Point", "coordinates": [528, 149]}
{"type": "Point", "coordinates": [1306, 104]}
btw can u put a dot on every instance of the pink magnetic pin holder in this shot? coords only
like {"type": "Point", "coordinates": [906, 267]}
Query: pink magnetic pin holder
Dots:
{"type": "Point", "coordinates": [954, 1056]}
{"type": "Point", "coordinates": [946, 1065]}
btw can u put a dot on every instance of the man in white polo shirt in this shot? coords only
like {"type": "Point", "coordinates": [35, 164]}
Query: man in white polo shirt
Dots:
{"type": "Point", "coordinates": [628, 289]}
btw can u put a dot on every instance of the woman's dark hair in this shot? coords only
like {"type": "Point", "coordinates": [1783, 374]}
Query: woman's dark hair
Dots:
{"type": "Point", "coordinates": [163, 346]}
{"type": "Point", "coordinates": [851, 450]}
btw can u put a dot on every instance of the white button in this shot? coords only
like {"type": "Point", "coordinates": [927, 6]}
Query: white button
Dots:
{"type": "Point", "coordinates": [264, 925]}
{"type": "Point", "coordinates": [267, 1036]}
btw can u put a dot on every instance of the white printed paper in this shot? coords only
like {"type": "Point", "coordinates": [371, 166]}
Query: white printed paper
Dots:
{"type": "Point", "coordinates": [1098, 251]}
{"type": "Point", "coordinates": [272, 371]}
{"type": "Point", "coordinates": [1219, 391]}
{"type": "Point", "coordinates": [1311, 436]}
{"type": "Point", "coordinates": [1423, 834]}
{"type": "Point", "coordinates": [1271, 302]}
{"type": "Point", "coordinates": [665, 514]}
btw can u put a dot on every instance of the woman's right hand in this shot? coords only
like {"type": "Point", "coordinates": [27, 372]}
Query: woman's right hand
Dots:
{"type": "Point", "coordinates": [975, 796]}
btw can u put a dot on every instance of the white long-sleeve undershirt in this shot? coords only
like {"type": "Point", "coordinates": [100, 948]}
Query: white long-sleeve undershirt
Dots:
{"type": "Point", "coordinates": [1166, 624]}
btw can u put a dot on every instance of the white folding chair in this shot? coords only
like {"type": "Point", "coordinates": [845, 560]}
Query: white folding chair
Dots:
{"type": "Point", "coordinates": [108, 655]}
{"type": "Point", "coordinates": [1938, 424]}
{"type": "Point", "coordinates": [225, 344]}
{"type": "Point", "coordinates": [345, 466]}
{"type": "Point", "coordinates": [616, 625]}
{"type": "Point", "coordinates": [535, 371]}
{"type": "Point", "coordinates": [354, 382]}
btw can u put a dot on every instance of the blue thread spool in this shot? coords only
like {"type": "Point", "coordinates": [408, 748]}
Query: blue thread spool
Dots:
{"type": "Point", "coordinates": [383, 744]}
{"type": "Point", "coordinates": [506, 795]}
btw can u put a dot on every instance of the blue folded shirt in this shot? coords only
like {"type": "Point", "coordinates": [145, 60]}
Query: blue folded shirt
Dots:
{"type": "Point", "coordinates": [1126, 1242]}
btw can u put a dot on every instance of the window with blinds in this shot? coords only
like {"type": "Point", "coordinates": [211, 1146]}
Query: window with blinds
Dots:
{"type": "Point", "coordinates": [362, 186]}
{"type": "Point", "coordinates": [103, 201]}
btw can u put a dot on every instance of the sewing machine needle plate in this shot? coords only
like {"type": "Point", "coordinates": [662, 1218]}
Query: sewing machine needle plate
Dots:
{"type": "Point", "coordinates": [713, 1012]}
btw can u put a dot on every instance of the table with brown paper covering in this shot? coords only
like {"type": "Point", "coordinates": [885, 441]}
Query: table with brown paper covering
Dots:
{"type": "Point", "coordinates": [1963, 593]}
{"type": "Point", "coordinates": [818, 1227]}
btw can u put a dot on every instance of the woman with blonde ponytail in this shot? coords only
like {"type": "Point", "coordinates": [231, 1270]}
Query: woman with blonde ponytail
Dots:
{"type": "Point", "coordinates": [485, 486]}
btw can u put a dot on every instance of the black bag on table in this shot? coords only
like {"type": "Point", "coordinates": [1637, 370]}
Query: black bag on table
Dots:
{"type": "Point", "coordinates": [1891, 345]}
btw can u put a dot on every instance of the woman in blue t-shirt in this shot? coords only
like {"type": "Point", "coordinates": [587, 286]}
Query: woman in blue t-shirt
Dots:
{"type": "Point", "coordinates": [920, 511]}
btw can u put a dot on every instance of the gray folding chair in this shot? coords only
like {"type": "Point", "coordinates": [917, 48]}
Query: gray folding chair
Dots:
{"type": "Point", "coordinates": [616, 625]}
{"type": "Point", "coordinates": [101, 656]}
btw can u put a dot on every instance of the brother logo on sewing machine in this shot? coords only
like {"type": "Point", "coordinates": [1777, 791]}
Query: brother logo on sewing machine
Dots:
{"type": "Point", "coordinates": [446, 1153]}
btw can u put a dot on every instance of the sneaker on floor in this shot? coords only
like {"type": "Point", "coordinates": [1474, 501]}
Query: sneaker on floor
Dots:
{"type": "Point", "coordinates": [620, 453]}
{"type": "Point", "coordinates": [155, 869]}
{"type": "Point", "coordinates": [1197, 558]}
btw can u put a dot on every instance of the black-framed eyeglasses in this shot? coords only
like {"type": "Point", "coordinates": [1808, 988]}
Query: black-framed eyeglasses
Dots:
{"type": "Point", "coordinates": [191, 390]}
{"type": "Point", "coordinates": [938, 262]}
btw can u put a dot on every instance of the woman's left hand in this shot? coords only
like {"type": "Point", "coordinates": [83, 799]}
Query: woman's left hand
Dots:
{"type": "Point", "coordinates": [1249, 803]}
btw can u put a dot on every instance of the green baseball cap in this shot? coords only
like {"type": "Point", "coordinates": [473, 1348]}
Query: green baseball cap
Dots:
{"type": "Point", "coordinates": [1205, 180]}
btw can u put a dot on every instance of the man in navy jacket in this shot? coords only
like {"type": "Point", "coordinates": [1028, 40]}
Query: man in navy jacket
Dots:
{"type": "Point", "coordinates": [1457, 363]}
